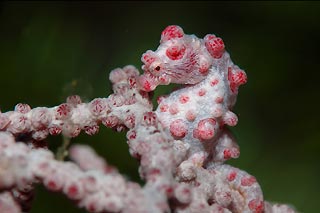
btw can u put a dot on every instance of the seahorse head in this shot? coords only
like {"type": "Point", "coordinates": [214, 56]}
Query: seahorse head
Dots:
{"type": "Point", "coordinates": [180, 58]}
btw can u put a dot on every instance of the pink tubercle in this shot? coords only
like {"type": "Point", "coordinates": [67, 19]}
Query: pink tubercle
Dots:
{"type": "Point", "coordinates": [110, 121]}
{"type": "Point", "coordinates": [63, 111]}
{"type": "Point", "coordinates": [230, 119]}
{"type": "Point", "coordinates": [214, 45]}
{"type": "Point", "coordinates": [178, 128]}
{"type": "Point", "coordinates": [206, 129]}
{"type": "Point", "coordinates": [22, 108]}
{"type": "Point", "coordinates": [256, 206]}
{"type": "Point", "coordinates": [98, 106]}
{"type": "Point", "coordinates": [130, 120]}
{"type": "Point", "coordinates": [55, 129]}
{"type": "Point", "coordinates": [146, 86]}
{"type": "Point", "coordinates": [214, 82]}
{"type": "Point", "coordinates": [53, 184]}
{"type": "Point", "coordinates": [164, 107]}
{"type": "Point", "coordinates": [219, 100]}
{"type": "Point", "coordinates": [173, 109]}
{"type": "Point", "coordinates": [131, 135]}
{"type": "Point", "coordinates": [176, 52]}
{"type": "Point", "coordinates": [132, 82]}
{"type": "Point", "coordinates": [148, 58]}
{"type": "Point", "coordinates": [227, 154]}
{"type": "Point", "coordinates": [236, 77]}
{"type": "Point", "coordinates": [184, 99]}
{"type": "Point", "coordinates": [202, 92]}
{"type": "Point", "coordinates": [248, 180]}
{"type": "Point", "coordinates": [191, 115]}
{"type": "Point", "coordinates": [170, 32]}
{"type": "Point", "coordinates": [232, 176]}
{"type": "Point", "coordinates": [150, 118]}
{"type": "Point", "coordinates": [91, 130]}
{"type": "Point", "coordinates": [204, 68]}
{"type": "Point", "coordinates": [73, 191]}
{"type": "Point", "coordinates": [146, 83]}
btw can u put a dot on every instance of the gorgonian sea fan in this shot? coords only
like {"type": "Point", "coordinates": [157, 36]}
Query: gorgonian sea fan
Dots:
{"type": "Point", "coordinates": [181, 146]}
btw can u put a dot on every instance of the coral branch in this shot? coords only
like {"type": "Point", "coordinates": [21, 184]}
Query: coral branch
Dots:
{"type": "Point", "coordinates": [118, 111]}
{"type": "Point", "coordinates": [91, 161]}
{"type": "Point", "coordinates": [93, 189]}
{"type": "Point", "coordinates": [181, 146]}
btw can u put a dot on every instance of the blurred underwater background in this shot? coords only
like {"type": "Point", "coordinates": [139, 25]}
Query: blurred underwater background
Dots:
{"type": "Point", "coordinates": [50, 50]}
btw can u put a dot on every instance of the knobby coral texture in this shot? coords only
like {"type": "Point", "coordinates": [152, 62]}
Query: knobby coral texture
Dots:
{"type": "Point", "coordinates": [181, 146]}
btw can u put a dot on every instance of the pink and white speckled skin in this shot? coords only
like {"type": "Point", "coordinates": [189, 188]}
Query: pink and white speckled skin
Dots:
{"type": "Point", "coordinates": [197, 113]}
{"type": "Point", "coordinates": [181, 146]}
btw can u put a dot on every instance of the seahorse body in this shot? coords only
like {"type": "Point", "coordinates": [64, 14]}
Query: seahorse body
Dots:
{"type": "Point", "coordinates": [198, 112]}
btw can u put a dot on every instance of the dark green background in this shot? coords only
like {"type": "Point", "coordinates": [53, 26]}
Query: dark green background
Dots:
{"type": "Point", "coordinates": [49, 50]}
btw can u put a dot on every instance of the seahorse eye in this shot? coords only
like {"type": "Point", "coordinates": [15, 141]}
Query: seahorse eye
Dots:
{"type": "Point", "coordinates": [157, 68]}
